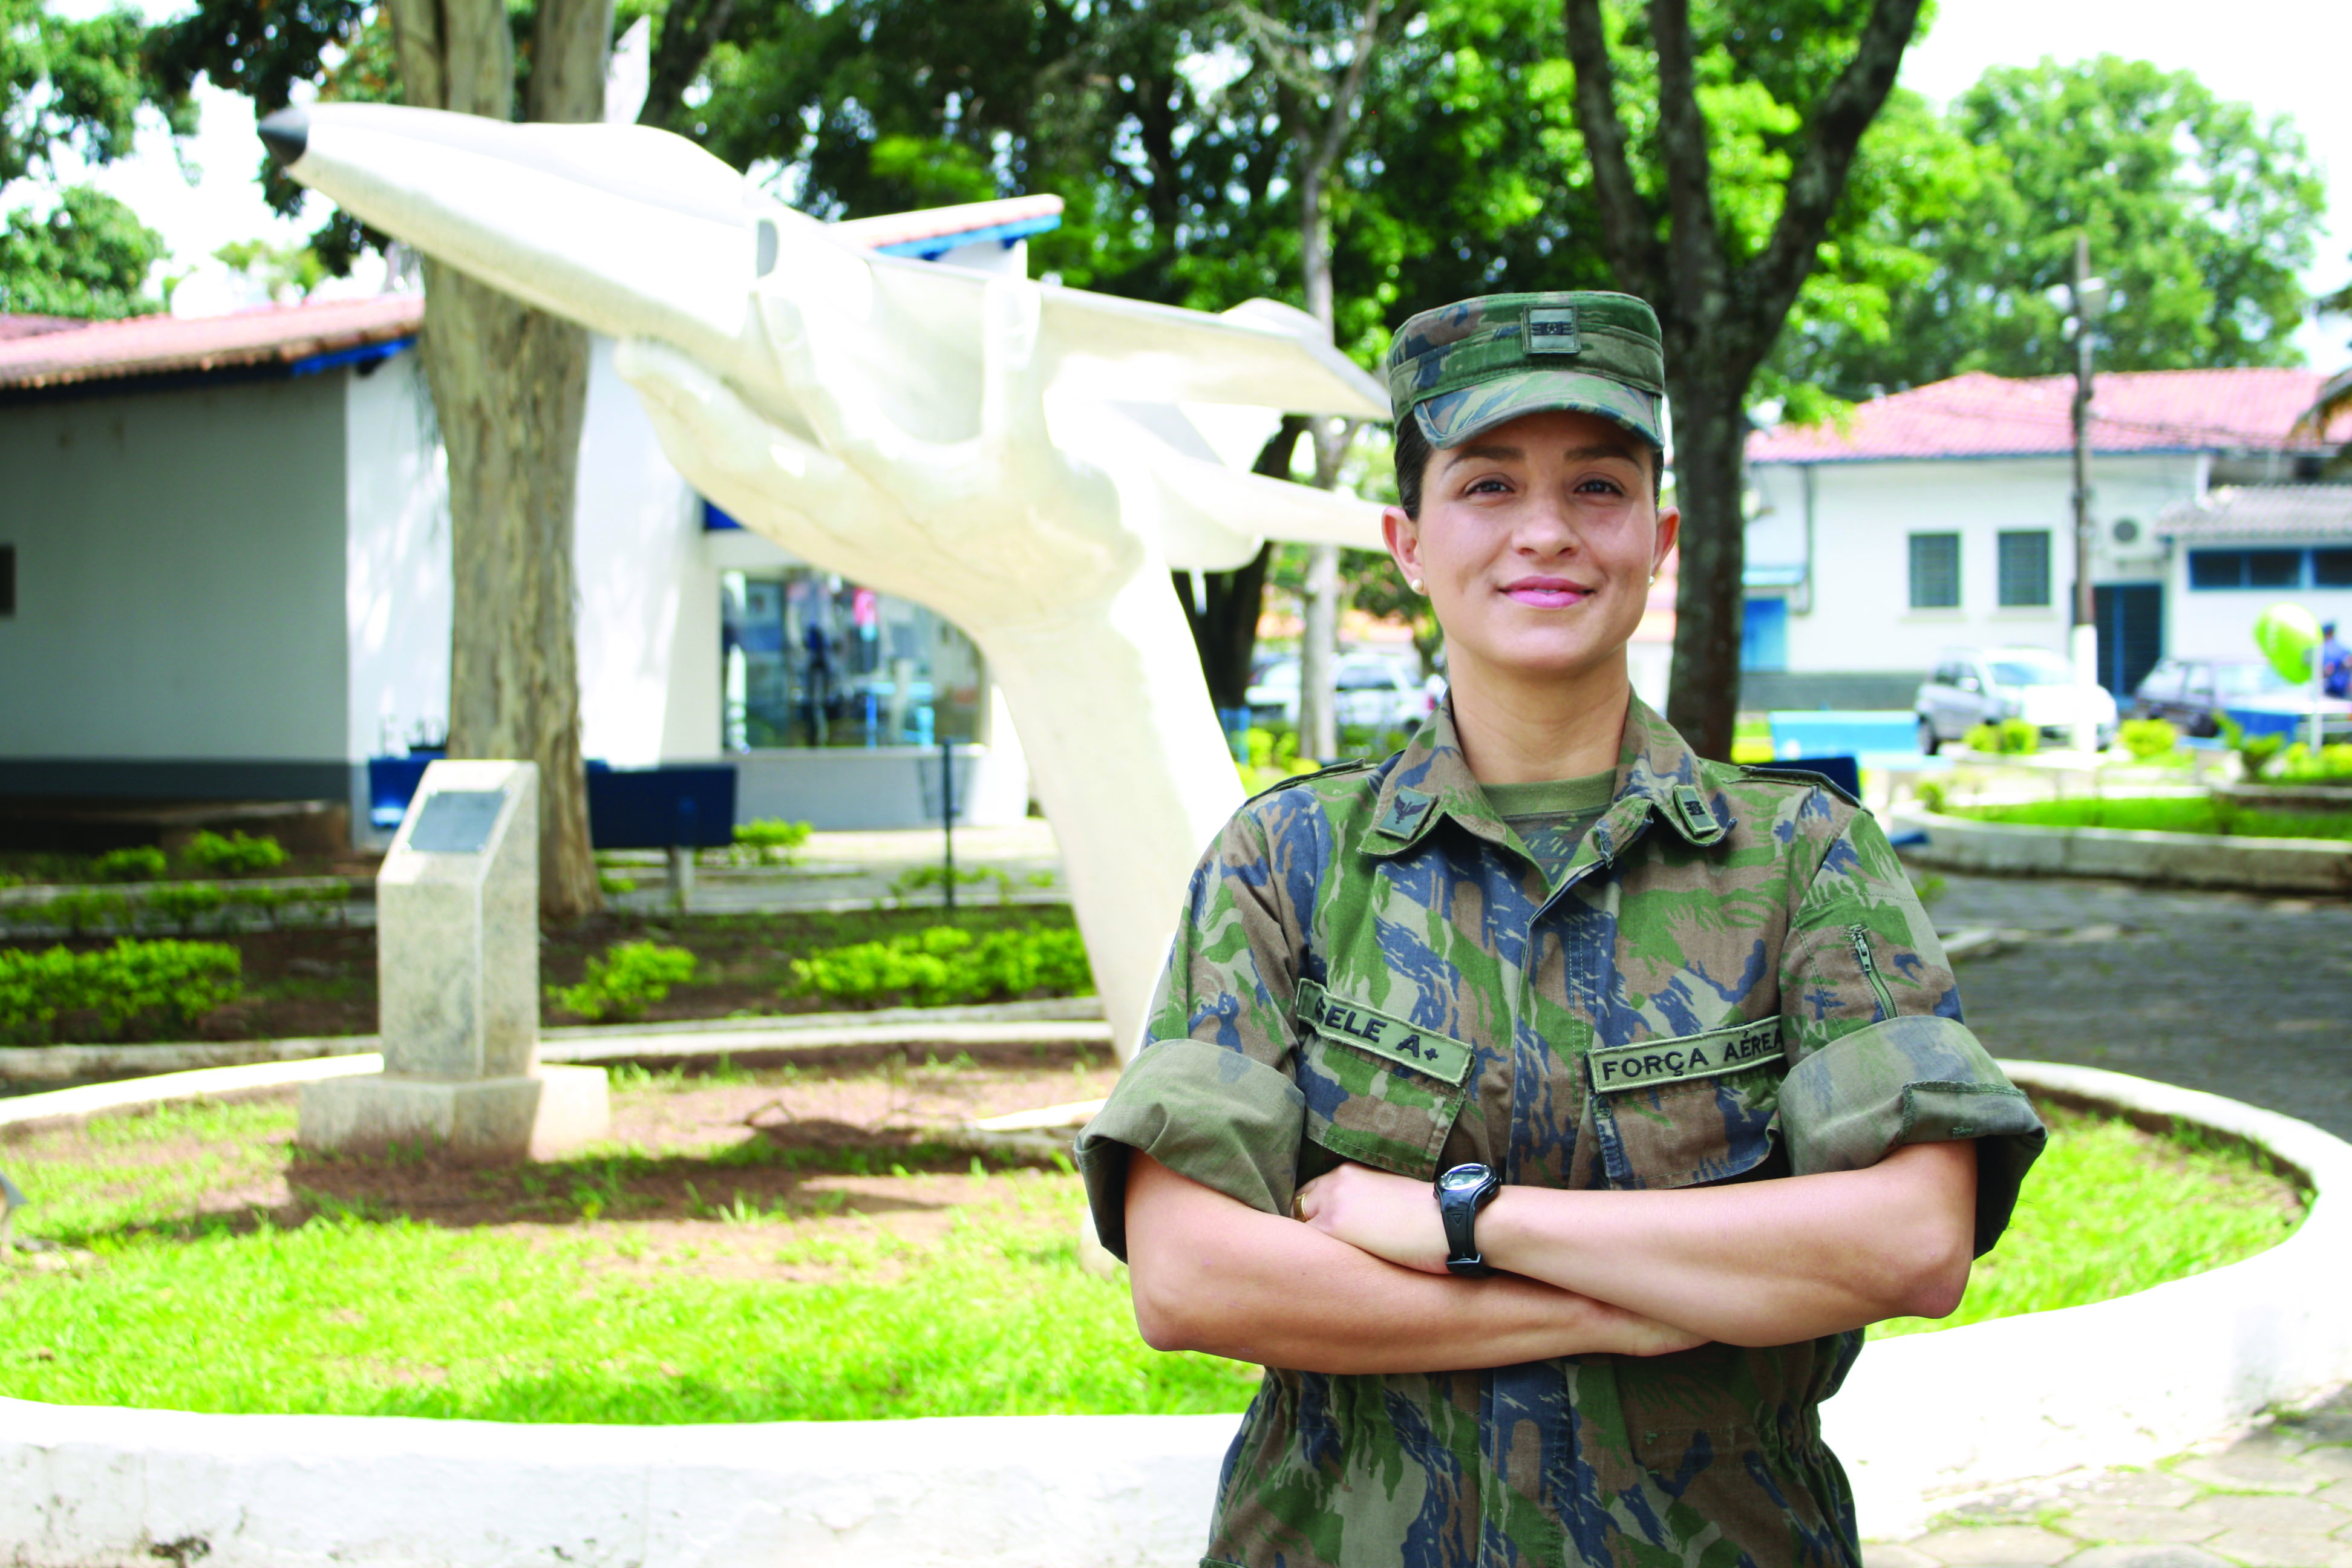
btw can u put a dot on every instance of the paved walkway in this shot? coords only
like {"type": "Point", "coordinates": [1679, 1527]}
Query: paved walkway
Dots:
{"type": "Point", "coordinates": [2235, 993]}
{"type": "Point", "coordinates": [2239, 994]}
{"type": "Point", "coordinates": [856, 870]}
{"type": "Point", "coordinates": [2280, 1497]}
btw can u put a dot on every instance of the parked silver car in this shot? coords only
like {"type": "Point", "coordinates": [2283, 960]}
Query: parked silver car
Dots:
{"type": "Point", "coordinates": [1370, 690]}
{"type": "Point", "coordinates": [1969, 687]}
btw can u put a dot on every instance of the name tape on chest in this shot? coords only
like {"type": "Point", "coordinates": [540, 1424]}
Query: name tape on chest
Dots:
{"type": "Point", "coordinates": [1368, 1029]}
{"type": "Point", "coordinates": [1655, 1063]}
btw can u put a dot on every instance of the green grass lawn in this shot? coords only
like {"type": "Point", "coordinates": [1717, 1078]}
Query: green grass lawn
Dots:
{"type": "Point", "coordinates": [215, 1287]}
{"type": "Point", "coordinates": [2179, 814]}
{"type": "Point", "coordinates": [2108, 1210]}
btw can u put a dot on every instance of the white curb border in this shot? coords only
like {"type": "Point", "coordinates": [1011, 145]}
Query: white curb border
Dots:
{"type": "Point", "coordinates": [1924, 1418]}
{"type": "Point", "coordinates": [2187, 859]}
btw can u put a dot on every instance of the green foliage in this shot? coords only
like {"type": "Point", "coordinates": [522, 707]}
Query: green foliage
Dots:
{"type": "Point", "coordinates": [2332, 766]}
{"type": "Point", "coordinates": [359, 1311]}
{"type": "Point", "coordinates": [77, 85]}
{"type": "Point", "coordinates": [769, 842]}
{"type": "Point", "coordinates": [285, 272]}
{"type": "Point", "coordinates": [184, 902]}
{"type": "Point", "coordinates": [2009, 738]}
{"type": "Point", "coordinates": [628, 979]}
{"type": "Point", "coordinates": [915, 878]}
{"type": "Point", "coordinates": [85, 910]}
{"type": "Point", "coordinates": [234, 855]}
{"type": "Point", "coordinates": [2110, 1210]}
{"type": "Point", "coordinates": [355, 1310]}
{"type": "Point", "coordinates": [947, 965]}
{"type": "Point", "coordinates": [2168, 814]}
{"type": "Point", "coordinates": [1932, 794]}
{"type": "Point", "coordinates": [87, 258]}
{"type": "Point", "coordinates": [2254, 752]}
{"type": "Point", "coordinates": [2201, 213]}
{"type": "Point", "coordinates": [2149, 739]}
{"type": "Point", "coordinates": [175, 981]}
{"type": "Point", "coordinates": [1273, 757]}
{"type": "Point", "coordinates": [74, 84]}
{"type": "Point", "coordinates": [136, 863]}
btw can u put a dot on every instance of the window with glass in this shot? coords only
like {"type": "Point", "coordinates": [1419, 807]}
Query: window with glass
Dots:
{"type": "Point", "coordinates": [1935, 570]}
{"type": "Point", "coordinates": [2024, 568]}
{"type": "Point", "coordinates": [2331, 568]}
{"type": "Point", "coordinates": [815, 661]}
{"type": "Point", "coordinates": [2246, 568]}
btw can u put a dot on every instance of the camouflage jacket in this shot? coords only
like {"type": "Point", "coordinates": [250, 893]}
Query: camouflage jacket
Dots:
{"type": "Point", "coordinates": [1731, 980]}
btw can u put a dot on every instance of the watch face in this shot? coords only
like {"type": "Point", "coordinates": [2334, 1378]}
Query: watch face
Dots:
{"type": "Point", "coordinates": [1463, 1177]}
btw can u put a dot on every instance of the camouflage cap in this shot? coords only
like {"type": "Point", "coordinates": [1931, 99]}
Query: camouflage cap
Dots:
{"type": "Point", "coordinates": [1474, 365]}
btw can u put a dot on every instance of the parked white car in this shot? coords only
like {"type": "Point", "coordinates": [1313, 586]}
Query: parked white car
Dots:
{"type": "Point", "coordinates": [1969, 687]}
{"type": "Point", "coordinates": [1371, 690]}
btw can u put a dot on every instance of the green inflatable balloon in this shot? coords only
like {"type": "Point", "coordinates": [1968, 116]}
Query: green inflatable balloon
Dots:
{"type": "Point", "coordinates": [2288, 634]}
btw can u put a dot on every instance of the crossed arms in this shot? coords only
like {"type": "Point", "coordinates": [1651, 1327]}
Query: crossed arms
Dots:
{"type": "Point", "coordinates": [1362, 1287]}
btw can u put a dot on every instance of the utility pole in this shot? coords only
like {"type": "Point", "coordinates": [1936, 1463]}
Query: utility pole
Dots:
{"type": "Point", "coordinates": [2089, 296]}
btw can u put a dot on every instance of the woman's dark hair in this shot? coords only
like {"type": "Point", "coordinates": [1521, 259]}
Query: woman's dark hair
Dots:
{"type": "Point", "coordinates": [1413, 450]}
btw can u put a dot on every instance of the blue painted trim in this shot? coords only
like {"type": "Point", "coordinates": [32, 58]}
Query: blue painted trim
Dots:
{"type": "Point", "coordinates": [366, 353]}
{"type": "Point", "coordinates": [933, 247]}
{"type": "Point", "coordinates": [716, 521]}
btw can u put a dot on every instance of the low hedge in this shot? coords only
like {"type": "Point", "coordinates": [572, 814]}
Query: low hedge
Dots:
{"type": "Point", "coordinates": [179, 981]}
{"type": "Point", "coordinates": [946, 965]}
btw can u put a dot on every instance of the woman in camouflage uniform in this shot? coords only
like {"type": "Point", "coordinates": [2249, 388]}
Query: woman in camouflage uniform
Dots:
{"type": "Point", "coordinates": [1546, 1108]}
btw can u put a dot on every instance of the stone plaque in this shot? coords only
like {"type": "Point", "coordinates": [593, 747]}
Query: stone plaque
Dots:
{"type": "Point", "coordinates": [456, 821]}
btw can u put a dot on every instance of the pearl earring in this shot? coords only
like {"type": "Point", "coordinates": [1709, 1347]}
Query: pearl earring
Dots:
{"type": "Point", "coordinates": [1414, 583]}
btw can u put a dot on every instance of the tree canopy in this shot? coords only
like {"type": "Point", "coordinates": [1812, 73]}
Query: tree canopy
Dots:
{"type": "Point", "coordinates": [73, 88]}
{"type": "Point", "coordinates": [2199, 211]}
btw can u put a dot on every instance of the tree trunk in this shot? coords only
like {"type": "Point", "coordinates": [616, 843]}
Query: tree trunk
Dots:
{"type": "Point", "coordinates": [1710, 598]}
{"type": "Point", "coordinates": [510, 392]}
{"type": "Point", "coordinates": [1224, 625]}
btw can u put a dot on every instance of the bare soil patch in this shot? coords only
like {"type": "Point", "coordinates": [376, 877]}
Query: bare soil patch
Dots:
{"type": "Point", "coordinates": [697, 1169]}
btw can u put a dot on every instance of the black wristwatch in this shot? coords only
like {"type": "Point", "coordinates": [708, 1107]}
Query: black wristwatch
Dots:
{"type": "Point", "coordinates": [1461, 1192]}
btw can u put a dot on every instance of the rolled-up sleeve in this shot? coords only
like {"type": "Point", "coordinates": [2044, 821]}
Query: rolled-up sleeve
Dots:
{"type": "Point", "coordinates": [1212, 1094]}
{"type": "Point", "coordinates": [1883, 1059]}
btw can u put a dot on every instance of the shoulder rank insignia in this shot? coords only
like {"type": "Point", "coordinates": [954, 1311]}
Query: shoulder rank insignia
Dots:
{"type": "Point", "coordinates": [1804, 776]}
{"type": "Point", "coordinates": [1352, 766]}
{"type": "Point", "coordinates": [1698, 818]}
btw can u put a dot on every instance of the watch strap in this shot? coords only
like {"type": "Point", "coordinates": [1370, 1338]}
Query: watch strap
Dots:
{"type": "Point", "coordinates": [1458, 1209]}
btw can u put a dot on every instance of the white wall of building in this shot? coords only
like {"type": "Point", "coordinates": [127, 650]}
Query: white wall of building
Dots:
{"type": "Point", "coordinates": [648, 600]}
{"type": "Point", "coordinates": [180, 576]}
{"type": "Point", "coordinates": [2218, 623]}
{"type": "Point", "coordinates": [1857, 614]}
{"type": "Point", "coordinates": [397, 593]}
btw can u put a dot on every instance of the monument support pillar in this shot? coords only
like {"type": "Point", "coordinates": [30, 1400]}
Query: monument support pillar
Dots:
{"type": "Point", "coordinates": [457, 993]}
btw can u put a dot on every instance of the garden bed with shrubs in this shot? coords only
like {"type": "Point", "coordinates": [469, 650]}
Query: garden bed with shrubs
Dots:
{"type": "Point", "coordinates": [297, 983]}
{"type": "Point", "coordinates": [786, 1245]}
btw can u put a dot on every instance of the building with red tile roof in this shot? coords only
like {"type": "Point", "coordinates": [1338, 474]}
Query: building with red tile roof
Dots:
{"type": "Point", "coordinates": [275, 340]}
{"type": "Point", "coordinates": [228, 543]}
{"type": "Point", "coordinates": [1943, 517]}
{"type": "Point", "coordinates": [1979, 415]}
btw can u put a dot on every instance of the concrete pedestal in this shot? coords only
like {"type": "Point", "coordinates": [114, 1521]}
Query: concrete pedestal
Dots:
{"type": "Point", "coordinates": [457, 967]}
{"type": "Point", "coordinates": [543, 1116]}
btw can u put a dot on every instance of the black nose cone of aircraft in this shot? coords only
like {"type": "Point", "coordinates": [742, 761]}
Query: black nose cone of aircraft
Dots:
{"type": "Point", "coordinates": [286, 133]}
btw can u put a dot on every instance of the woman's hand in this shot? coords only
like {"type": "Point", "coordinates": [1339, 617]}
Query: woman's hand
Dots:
{"type": "Point", "coordinates": [1395, 1219]}
{"type": "Point", "coordinates": [1391, 1218]}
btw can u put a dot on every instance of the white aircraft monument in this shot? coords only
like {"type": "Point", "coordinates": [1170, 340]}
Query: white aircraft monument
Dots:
{"type": "Point", "coordinates": [1012, 454]}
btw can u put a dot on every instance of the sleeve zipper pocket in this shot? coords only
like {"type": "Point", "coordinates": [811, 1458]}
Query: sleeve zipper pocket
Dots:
{"type": "Point", "coordinates": [1862, 955]}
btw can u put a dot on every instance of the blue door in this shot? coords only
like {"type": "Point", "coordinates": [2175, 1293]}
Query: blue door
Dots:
{"type": "Point", "coordinates": [2130, 618]}
{"type": "Point", "coordinates": [1764, 635]}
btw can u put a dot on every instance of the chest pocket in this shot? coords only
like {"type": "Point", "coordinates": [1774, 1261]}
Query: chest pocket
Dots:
{"type": "Point", "coordinates": [1378, 1090]}
{"type": "Point", "coordinates": [1697, 1109]}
